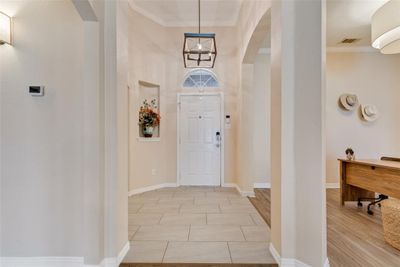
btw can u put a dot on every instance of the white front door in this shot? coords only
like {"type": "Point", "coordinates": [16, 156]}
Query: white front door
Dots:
{"type": "Point", "coordinates": [200, 140]}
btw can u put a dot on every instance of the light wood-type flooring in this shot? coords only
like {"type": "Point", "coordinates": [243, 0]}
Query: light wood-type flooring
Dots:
{"type": "Point", "coordinates": [354, 237]}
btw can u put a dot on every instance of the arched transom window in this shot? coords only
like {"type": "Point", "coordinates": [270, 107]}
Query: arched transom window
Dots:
{"type": "Point", "coordinates": [200, 78]}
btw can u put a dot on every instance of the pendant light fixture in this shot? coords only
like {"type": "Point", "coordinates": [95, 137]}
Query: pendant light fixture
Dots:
{"type": "Point", "coordinates": [199, 49]}
{"type": "Point", "coordinates": [385, 28]}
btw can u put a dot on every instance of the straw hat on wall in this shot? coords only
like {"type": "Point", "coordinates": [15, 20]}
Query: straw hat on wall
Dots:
{"type": "Point", "coordinates": [348, 101]}
{"type": "Point", "coordinates": [369, 112]}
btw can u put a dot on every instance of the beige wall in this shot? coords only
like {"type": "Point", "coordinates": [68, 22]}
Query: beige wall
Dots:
{"type": "Point", "coordinates": [262, 106]}
{"type": "Point", "coordinates": [155, 57]}
{"type": "Point", "coordinates": [41, 137]}
{"type": "Point", "coordinates": [375, 79]}
{"type": "Point", "coordinates": [60, 194]}
{"type": "Point", "coordinates": [253, 143]}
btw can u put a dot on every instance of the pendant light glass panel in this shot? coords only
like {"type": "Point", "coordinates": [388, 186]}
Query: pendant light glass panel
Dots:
{"type": "Point", "coordinates": [199, 50]}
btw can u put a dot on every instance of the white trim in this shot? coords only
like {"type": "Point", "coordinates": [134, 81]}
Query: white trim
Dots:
{"type": "Point", "coordinates": [147, 14]}
{"type": "Point", "coordinates": [241, 192]}
{"type": "Point", "coordinates": [275, 254]}
{"type": "Point", "coordinates": [230, 185]}
{"type": "Point", "coordinates": [262, 185]}
{"type": "Point", "coordinates": [264, 50]}
{"type": "Point", "coordinates": [62, 261]}
{"type": "Point", "coordinates": [150, 188]}
{"type": "Point", "coordinates": [332, 185]}
{"type": "Point", "coordinates": [353, 49]}
{"type": "Point", "coordinates": [222, 121]}
{"type": "Point", "coordinates": [289, 262]}
{"type": "Point", "coordinates": [335, 49]}
{"type": "Point", "coordinates": [41, 261]}
{"type": "Point", "coordinates": [226, 23]}
{"type": "Point", "coordinates": [122, 253]}
{"type": "Point", "coordinates": [146, 139]}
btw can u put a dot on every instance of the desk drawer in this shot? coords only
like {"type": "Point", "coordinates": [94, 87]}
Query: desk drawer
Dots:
{"type": "Point", "coordinates": [374, 178]}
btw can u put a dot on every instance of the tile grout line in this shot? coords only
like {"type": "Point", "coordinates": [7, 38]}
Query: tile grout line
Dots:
{"type": "Point", "coordinates": [137, 230]}
{"type": "Point", "coordinates": [244, 236]}
{"type": "Point", "coordinates": [165, 252]}
{"type": "Point", "coordinates": [190, 227]}
{"type": "Point", "coordinates": [229, 250]}
{"type": "Point", "coordinates": [255, 223]}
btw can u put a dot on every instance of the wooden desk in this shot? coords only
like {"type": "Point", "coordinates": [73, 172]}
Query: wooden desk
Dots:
{"type": "Point", "coordinates": [364, 178]}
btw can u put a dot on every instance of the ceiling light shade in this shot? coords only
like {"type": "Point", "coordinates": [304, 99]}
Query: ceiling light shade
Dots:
{"type": "Point", "coordinates": [5, 29]}
{"type": "Point", "coordinates": [199, 49]}
{"type": "Point", "coordinates": [385, 28]}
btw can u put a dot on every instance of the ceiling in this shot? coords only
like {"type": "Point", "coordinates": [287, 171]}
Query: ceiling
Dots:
{"type": "Point", "coordinates": [350, 19]}
{"type": "Point", "coordinates": [177, 13]}
{"type": "Point", "coordinates": [345, 18]}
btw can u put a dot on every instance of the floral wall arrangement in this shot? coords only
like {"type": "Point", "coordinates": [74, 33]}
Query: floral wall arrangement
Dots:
{"type": "Point", "coordinates": [149, 117]}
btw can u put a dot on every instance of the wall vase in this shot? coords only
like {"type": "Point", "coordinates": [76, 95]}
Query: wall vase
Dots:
{"type": "Point", "coordinates": [148, 131]}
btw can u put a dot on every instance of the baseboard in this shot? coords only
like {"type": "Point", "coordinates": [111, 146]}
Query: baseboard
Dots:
{"type": "Point", "coordinates": [122, 253]}
{"type": "Point", "coordinates": [275, 254]}
{"type": "Point", "coordinates": [247, 193]}
{"type": "Point", "coordinates": [268, 185]}
{"type": "Point", "coordinates": [159, 186]}
{"type": "Point", "coordinates": [262, 185]}
{"type": "Point", "coordinates": [62, 261]}
{"type": "Point", "coordinates": [241, 192]}
{"type": "Point", "coordinates": [41, 261]}
{"type": "Point", "coordinates": [357, 49]}
{"type": "Point", "coordinates": [285, 262]}
{"type": "Point", "coordinates": [150, 188]}
{"type": "Point", "coordinates": [332, 185]}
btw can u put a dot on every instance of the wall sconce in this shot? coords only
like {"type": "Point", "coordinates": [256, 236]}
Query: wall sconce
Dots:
{"type": "Point", "coordinates": [5, 29]}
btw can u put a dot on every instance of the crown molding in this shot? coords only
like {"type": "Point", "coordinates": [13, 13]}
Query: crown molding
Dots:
{"type": "Point", "coordinates": [353, 49]}
{"type": "Point", "coordinates": [333, 49]}
{"type": "Point", "coordinates": [146, 13]}
{"type": "Point", "coordinates": [178, 23]}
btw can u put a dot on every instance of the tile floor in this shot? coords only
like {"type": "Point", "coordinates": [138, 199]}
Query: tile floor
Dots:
{"type": "Point", "coordinates": [196, 225]}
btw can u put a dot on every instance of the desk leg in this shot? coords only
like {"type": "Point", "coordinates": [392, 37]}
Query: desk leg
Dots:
{"type": "Point", "coordinates": [343, 186]}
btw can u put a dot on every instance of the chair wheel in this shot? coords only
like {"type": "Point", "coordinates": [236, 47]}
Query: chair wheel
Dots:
{"type": "Point", "coordinates": [359, 204]}
{"type": "Point", "coordinates": [370, 212]}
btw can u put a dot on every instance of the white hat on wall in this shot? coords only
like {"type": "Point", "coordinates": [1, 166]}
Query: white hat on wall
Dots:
{"type": "Point", "coordinates": [369, 112]}
{"type": "Point", "coordinates": [349, 101]}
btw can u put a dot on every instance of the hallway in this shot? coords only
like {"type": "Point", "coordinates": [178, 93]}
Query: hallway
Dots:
{"type": "Point", "coordinates": [196, 225]}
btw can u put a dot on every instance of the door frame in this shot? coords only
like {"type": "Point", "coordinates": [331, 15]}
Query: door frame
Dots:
{"type": "Point", "coordinates": [222, 122]}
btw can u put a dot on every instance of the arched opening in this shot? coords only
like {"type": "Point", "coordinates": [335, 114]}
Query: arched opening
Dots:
{"type": "Point", "coordinates": [254, 127]}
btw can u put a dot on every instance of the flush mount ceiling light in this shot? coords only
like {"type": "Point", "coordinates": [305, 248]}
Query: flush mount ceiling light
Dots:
{"type": "Point", "coordinates": [5, 29]}
{"type": "Point", "coordinates": [385, 28]}
{"type": "Point", "coordinates": [199, 49]}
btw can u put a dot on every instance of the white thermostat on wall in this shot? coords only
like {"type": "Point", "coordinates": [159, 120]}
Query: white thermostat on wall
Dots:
{"type": "Point", "coordinates": [36, 90]}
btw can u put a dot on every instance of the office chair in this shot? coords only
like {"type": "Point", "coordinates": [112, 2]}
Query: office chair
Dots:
{"type": "Point", "coordinates": [380, 197]}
